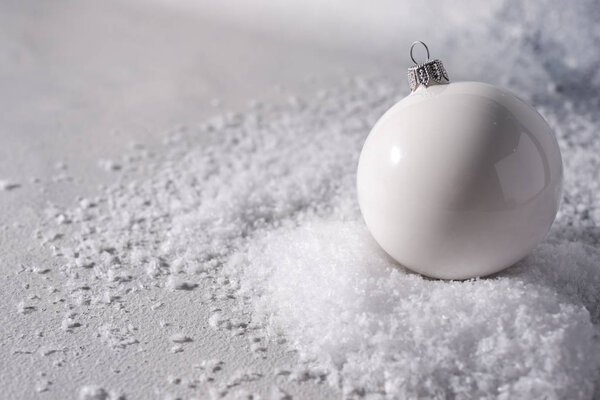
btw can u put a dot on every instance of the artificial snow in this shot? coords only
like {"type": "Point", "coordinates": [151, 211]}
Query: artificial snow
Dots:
{"type": "Point", "coordinates": [263, 215]}
{"type": "Point", "coordinates": [180, 338]}
{"type": "Point", "coordinates": [381, 329]}
{"type": "Point", "coordinates": [7, 185]}
{"type": "Point", "coordinates": [93, 392]}
{"type": "Point", "coordinates": [267, 212]}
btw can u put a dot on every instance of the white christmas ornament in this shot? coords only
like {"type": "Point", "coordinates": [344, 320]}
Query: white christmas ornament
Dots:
{"type": "Point", "coordinates": [458, 180]}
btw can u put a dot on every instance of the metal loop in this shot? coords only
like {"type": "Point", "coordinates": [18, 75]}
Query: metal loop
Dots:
{"type": "Point", "coordinates": [413, 46]}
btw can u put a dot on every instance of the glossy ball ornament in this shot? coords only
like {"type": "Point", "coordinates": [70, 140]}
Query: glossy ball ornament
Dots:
{"type": "Point", "coordinates": [459, 180]}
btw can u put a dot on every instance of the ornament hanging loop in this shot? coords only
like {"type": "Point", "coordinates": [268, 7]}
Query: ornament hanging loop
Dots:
{"type": "Point", "coordinates": [430, 72]}
{"type": "Point", "coordinates": [412, 46]}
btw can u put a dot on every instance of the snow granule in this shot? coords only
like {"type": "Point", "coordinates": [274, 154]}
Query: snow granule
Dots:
{"type": "Point", "coordinates": [93, 393]}
{"type": "Point", "coordinates": [117, 337]}
{"type": "Point", "coordinates": [9, 185]}
{"type": "Point", "coordinates": [42, 386]}
{"type": "Point", "coordinates": [180, 338]}
{"type": "Point", "coordinates": [25, 308]}
{"type": "Point", "coordinates": [262, 212]}
{"type": "Point", "coordinates": [177, 349]}
{"type": "Point", "coordinates": [175, 283]}
{"type": "Point", "coordinates": [279, 394]}
{"type": "Point", "coordinates": [109, 165]}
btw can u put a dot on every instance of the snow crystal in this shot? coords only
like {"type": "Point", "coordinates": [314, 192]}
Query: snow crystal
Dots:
{"type": "Point", "coordinates": [180, 338]}
{"type": "Point", "coordinates": [41, 270]}
{"type": "Point", "coordinates": [69, 322]}
{"type": "Point", "coordinates": [109, 165]}
{"type": "Point", "coordinates": [61, 165]}
{"type": "Point", "coordinates": [279, 394]}
{"type": "Point", "coordinates": [175, 283]}
{"type": "Point", "coordinates": [93, 393]}
{"type": "Point", "coordinates": [43, 386]}
{"type": "Point", "coordinates": [25, 308]}
{"type": "Point", "coordinates": [47, 350]}
{"type": "Point", "coordinates": [211, 365]}
{"type": "Point", "coordinates": [8, 185]}
{"type": "Point", "coordinates": [216, 320]}
{"type": "Point", "coordinates": [117, 337]}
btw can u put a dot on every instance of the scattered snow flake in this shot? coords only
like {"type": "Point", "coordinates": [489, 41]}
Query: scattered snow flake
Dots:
{"type": "Point", "coordinates": [176, 283]}
{"type": "Point", "coordinates": [93, 392]}
{"type": "Point", "coordinates": [180, 338]}
{"type": "Point", "coordinates": [8, 185]}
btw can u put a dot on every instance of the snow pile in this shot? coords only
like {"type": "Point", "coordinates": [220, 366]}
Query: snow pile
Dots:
{"type": "Point", "coordinates": [383, 330]}
{"type": "Point", "coordinates": [265, 215]}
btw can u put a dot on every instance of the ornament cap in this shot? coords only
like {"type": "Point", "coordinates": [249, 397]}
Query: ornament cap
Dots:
{"type": "Point", "coordinates": [430, 72]}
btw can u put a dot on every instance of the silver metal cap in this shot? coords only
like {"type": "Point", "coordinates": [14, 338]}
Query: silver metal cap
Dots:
{"type": "Point", "coordinates": [431, 72]}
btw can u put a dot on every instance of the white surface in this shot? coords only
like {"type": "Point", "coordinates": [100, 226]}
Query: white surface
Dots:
{"type": "Point", "coordinates": [460, 180]}
{"type": "Point", "coordinates": [147, 246]}
{"type": "Point", "coordinates": [81, 81]}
